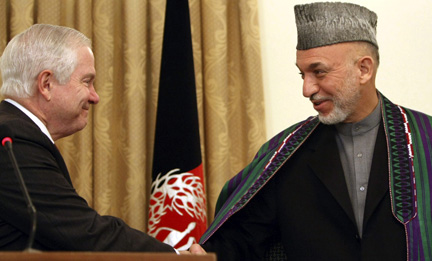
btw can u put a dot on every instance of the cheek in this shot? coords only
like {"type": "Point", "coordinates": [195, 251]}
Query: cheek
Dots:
{"type": "Point", "coordinates": [328, 87]}
{"type": "Point", "coordinates": [79, 97]}
{"type": "Point", "coordinates": [334, 85]}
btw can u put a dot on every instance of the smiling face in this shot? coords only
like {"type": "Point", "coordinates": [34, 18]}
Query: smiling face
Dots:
{"type": "Point", "coordinates": [70, 103]}
{"type": "Point", "coordinates": [332, 81]}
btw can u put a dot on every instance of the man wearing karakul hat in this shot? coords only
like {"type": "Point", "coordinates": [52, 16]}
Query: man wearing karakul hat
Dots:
{"type": "Point", "coordinates": [354, 182]}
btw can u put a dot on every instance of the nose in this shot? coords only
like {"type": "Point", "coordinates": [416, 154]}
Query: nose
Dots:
{"type": "Point", "coordinates": [310, 87]}
{"type": "Point", "coordinates": [94, 97]}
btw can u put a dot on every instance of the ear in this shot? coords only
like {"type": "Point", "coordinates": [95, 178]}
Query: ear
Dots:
{"type": "Point", "coordinates": [45, 82]}
{"type": "Point", "coordinates": [366, 66]}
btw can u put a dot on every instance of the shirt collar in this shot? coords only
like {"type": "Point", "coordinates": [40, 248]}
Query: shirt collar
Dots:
{"type": "Point", "coordinates": [35, 119]}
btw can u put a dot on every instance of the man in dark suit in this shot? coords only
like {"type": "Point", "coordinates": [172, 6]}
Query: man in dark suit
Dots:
{"type": "Point", "coordinates": [354, 182]}
{"type": "Point", "coordinates": [48, 74]}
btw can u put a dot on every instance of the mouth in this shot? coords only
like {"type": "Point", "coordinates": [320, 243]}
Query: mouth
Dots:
{"type": "Point", "coordinates": [316, 103]}
{"type": "Point", "coordinates": [320, 104]}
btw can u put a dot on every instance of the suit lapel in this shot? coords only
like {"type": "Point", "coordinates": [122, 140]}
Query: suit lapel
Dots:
{"type": "Point", "coordinates": [326, 165]}
{"type": "Point", "coordinates": [61, 163]}
{"type": "Point", "coordinates": [378, 184]}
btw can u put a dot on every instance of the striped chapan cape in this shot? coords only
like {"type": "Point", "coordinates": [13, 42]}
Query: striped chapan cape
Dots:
{"type": "Point", "coordinates": [409, 141]}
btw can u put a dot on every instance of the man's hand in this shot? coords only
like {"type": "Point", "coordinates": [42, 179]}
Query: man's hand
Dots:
{"type": "Point", "coordinates": [197, 249]}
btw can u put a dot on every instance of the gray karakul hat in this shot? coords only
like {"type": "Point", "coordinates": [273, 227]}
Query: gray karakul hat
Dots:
{"type": "Point", "coordinates": [320, 24]}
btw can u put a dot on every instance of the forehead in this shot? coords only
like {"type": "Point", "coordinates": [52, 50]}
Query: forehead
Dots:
{"type": "Point", "coordinates": [326, 55]}
{"type": "Point", "coordinates": [85, 61]}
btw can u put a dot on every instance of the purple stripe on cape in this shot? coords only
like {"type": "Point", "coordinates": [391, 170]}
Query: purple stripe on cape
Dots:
{"type": "Point", "coordinates": [424, 120]}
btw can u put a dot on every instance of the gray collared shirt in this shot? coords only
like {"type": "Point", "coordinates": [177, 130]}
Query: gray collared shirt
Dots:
{"type": "Point", "coordinates": [356, 143]}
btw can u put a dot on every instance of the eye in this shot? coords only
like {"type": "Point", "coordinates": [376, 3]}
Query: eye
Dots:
{"type": "Point", "coordinates": [319, 73]}
{"type": "Point", "coordinates": [302, 75]}
{"type": "Point", "coordinates": [87, 82]}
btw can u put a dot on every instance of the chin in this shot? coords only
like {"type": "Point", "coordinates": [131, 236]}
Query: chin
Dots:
{"type": "Point", "coordinates": [332, 118]}
{"type": "Point", "coordinates": [81, 125]}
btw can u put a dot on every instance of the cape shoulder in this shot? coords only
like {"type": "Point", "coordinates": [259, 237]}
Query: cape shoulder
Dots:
{"type": "Point", "coordinates": [241, 188]}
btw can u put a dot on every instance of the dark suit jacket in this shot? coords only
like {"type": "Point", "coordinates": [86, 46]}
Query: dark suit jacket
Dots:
{"type": "Point", "coordinates": [306, 205]}
{"type": "Point", "coordinates": [64, 219]}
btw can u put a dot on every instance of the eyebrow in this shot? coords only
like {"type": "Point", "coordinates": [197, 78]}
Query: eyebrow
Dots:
{"type": "Point", "coordinates": [313, 66]}
{"type": "Point", "coordinates": [89, 75]}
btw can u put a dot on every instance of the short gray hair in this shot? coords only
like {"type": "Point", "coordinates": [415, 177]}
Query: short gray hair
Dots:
{"type": "Point", "coordinates": [40, 47]}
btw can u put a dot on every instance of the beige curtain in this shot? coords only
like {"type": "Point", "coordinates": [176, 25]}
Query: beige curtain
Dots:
{"type": "Point", "coordinates": [110, 160]}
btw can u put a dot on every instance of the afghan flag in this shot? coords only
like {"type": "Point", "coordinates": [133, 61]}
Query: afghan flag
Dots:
{"type": "Point", "coordinates": [177, 214]}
